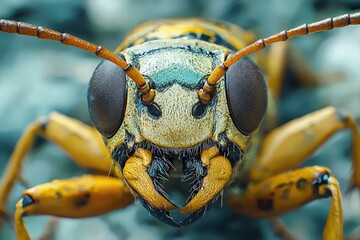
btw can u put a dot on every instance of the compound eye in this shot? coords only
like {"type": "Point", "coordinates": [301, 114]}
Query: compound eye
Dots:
{"type": "Point", "coordinates": [107, 98]}
{"type": "Point", "coordinates": [246, 94]}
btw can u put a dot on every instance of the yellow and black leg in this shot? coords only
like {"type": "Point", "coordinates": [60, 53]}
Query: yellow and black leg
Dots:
{"type": "Point", "coordinates": [284, 192]}
{"type": "Point", "coordinates": [288, 146]}
{"type": "Point", "coordinates": [81, 142]}
{"type": "Point", "coordinates": [274, 189]}
{"type": "Point", "coordinates": [79, 197]}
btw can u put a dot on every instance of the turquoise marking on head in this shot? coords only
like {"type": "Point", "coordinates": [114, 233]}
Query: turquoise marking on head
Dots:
{"type": "Point", "coordinates": [176, 73]}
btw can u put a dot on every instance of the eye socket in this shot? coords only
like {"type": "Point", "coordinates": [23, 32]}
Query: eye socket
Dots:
{"type": "Point", "coordinates": [246, 94]}
{"type": "Point", "coordinates": [107, 98]}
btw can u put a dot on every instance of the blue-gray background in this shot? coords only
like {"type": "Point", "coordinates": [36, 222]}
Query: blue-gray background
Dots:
{"type": "Point", "coordinates": [37, 77]}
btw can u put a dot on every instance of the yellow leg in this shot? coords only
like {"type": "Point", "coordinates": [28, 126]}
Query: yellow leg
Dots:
{"type": "Point", "coordinates": [287, 191]}
{"type": "Point", "coordinates": [79, 197]}
{"type": "Point", "coordinates": [81, 142]}
{"type": "Point", "coordinates": [287, 146]}
{"type": "Point", "coordinates": [281, 56]}
{"type": "Point", "coordinates": [275, 67]}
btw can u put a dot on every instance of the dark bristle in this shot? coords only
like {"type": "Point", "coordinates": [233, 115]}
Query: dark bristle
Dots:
{"type": "Point", "coordinates": [193, 172]}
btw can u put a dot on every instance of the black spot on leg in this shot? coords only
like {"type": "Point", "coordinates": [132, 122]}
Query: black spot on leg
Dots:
{"type": "Point", "coordinates": [301, 184]}
{"type": "Point", "coordinates": [281, 185]}
{"type": "Point", "coordinates": [285, 188]}
{"type": "Point", "coordinates": [58, 194]}
{"type": "Point", "coordinates": [265, 204]}
{"type": "Point", "coordinates": [82, 200]}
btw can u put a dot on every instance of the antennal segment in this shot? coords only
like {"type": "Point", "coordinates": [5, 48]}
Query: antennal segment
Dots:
{"type": "Point", "coordinates": [327, 24]}
{"type": "Point", "coordinates": [22, 28]}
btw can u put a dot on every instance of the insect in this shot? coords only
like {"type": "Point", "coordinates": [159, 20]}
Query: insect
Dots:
{"type": "Point", "coordinates": [178, 96]}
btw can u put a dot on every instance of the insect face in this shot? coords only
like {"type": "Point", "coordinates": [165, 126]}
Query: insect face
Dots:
{"type": "Point", "coordinates": [181, 127]}
{"type": "Point", "coordinates": [181, 105]}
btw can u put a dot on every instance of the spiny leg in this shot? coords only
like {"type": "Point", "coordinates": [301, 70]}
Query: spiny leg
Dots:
{"type": "Point", "coordinates": [81, 142]}
{"type": "Point", "coordinates": [287, 191]}
{"type": "Point", "coordinates": [79, 197]}
{"type": "Point", "coordinates": [287, 146]}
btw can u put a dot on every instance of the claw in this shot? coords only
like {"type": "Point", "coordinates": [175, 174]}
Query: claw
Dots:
{"type": "Point", "coordinates": [162, 215]}
{"type": "Point", "coordinates": [193, 217]}
{"type": "Point", "coordinates": [21, 232]}
{"type": "Point", "coordinates": [136, 175]}
{"type": "Point", "coordinates": [218, 175]}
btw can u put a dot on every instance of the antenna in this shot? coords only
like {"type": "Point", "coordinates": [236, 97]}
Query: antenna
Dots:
{"type": "Point", "coordinates": [323, 25]}
{"type": "Point", "coordinates": [22, 28]}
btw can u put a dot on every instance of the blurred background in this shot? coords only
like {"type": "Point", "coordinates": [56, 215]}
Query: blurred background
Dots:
{"type": "Point", "coordinates": [37, 77]}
